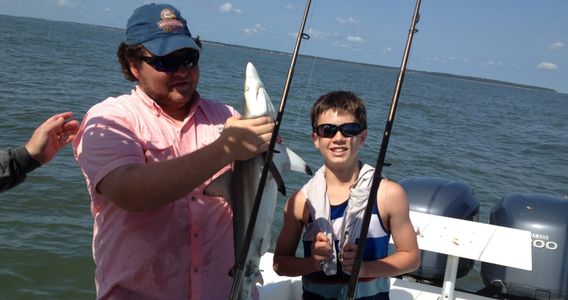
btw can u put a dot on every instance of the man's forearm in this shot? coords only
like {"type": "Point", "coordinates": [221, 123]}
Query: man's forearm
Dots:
{"type": "Point", "coordinates": [146, 187]}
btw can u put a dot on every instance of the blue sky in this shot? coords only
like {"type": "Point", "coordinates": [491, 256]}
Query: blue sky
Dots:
{"type": "Point", "coordinates": [521, 41]}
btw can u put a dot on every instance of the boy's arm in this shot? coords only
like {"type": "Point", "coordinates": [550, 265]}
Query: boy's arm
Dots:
{"type": "Point", "coordinates": [15, 163]}
{"type": "Point", "coordinates": [406, 257]}
{"type": "Point", "coordinates": [285, 261]}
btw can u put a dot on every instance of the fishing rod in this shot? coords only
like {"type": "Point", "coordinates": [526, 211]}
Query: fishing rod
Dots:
{"type": "Point", "coordinates": [240, 264]}
{"type": "Point", "coordinates": [381, 160]}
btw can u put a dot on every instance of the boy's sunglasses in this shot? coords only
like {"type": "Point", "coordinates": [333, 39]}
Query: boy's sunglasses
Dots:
{"type": "Point", "coordinates": [347, 130]}
{"type": "Point", "coordinates": [172, 62]}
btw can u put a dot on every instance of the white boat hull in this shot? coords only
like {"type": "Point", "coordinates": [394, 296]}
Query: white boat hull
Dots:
{"type": "Point", "coordinates": [453, 237]}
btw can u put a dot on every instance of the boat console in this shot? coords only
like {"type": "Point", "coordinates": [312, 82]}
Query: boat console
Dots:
{"type": "Point", "coordinates": [441, 197]}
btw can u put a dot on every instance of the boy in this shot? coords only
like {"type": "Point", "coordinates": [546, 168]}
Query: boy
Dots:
{"type": "Point", "coordinates": [329, 209]}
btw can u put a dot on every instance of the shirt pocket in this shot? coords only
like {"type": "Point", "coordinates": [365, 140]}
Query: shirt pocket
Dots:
{"type": "Point", "coordinates": [158, 151]}
{"type": "Point", "coordinates": [208, 133]}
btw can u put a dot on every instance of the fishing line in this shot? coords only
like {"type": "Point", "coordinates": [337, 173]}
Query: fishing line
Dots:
{"type": "Point", "coordinates": [303, 105]}
{"type": "Point", "coordinates": [315, 62]}
{"type": "Point", "coordinates": [240, 263]}
{"type": "Point", "coordinates": [372, 200]}
{"type": "Point", "coordinates": [302, 102]}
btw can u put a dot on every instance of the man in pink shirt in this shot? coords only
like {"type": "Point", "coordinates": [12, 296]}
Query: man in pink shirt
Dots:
{"type": "Point", "coordinates": [147, 157]}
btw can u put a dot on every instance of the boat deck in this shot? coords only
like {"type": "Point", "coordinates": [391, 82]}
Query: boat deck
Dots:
{"type": "Point", "coordinates": [455, 238]}
{"type": "Point", "coordinates": [407, 290]}
{"type": "Point", "coordinates": [290, 288]}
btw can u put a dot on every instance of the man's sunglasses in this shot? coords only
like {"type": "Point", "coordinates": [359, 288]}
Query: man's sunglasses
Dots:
{"type": "Point", "coordinates": [172, 62]}
{"type": "Point", "coordinates": [347, 130]}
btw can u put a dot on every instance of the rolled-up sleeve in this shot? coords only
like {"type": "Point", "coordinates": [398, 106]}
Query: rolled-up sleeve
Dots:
{"type": "Point", "coordinates": [15, 163]}
{"type": "Point", "coordinates": [106, 142]}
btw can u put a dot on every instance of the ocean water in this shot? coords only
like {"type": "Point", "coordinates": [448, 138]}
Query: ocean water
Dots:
{"type": "Point", "coordinates": [496, 138]}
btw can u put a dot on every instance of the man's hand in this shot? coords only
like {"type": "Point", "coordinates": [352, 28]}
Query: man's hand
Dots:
{"type": "Point", "coordinates": [244, 138]}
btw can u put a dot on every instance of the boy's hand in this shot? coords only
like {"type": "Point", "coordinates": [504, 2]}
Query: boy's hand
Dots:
{"type": "Point", "coordinates": [321, 249]}
{"type": "Point", "coordinates": [51, 136]}
{"type": "Point", "coordinates": [348, 257]}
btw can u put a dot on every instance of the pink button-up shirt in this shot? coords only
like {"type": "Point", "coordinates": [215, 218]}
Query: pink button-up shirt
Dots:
{"type": "Point", "coordinates": [180, 251]}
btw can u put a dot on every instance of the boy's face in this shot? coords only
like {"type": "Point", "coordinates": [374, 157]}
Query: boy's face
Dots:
{"type": "Point", "coordinates": [338, 151]}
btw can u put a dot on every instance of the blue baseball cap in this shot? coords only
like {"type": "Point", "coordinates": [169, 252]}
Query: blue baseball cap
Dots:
{"type": "Point", "coordinates": [160, 28]}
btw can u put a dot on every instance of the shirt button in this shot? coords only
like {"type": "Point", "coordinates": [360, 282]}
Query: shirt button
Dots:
{"type": "Point", "coordinates": [196, 270]}
{"type": "Point", "coordinates": [195, 235]}
{"type": "Point", "coordinates": [193, 198]}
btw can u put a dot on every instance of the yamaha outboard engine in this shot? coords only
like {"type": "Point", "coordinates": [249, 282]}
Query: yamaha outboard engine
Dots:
{"type": "Point", "coordinates": [546, 217]}
{"type": "Point", "coordinates": [443, 197]}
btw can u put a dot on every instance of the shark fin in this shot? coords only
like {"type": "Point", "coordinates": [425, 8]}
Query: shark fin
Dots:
{"type": "Point", "coordinates": [259, 278]}
{"type": "Point", "coordinates": [278, 178]}
{"type": "Point", "coordinates": [233, 271]}
{"type": "Point", "coordinates": [297, 164]}
{"type": "Point", "coordinates": [287, 160]}
{"type": "Point", "coordinates": [220, 187]}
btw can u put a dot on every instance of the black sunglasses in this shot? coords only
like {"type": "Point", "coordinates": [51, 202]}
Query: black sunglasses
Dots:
{"type": "Point", "coordinates": [172, 62]}
{"type": "Point", "coordinates": [330, 130]}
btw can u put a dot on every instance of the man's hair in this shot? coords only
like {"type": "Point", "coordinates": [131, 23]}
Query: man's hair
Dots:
{"type": "Point", "coordinates": [132, 53]}
{"type": "Point", "coordinates": [344, 103]}
{"type": "Point", "coordinates": [129, 53]}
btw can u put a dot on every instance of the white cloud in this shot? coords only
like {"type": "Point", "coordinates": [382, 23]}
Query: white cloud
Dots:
{"type": "Point", "coordinates": [557, 46]}
{"type": "Point", "coordinates": [387, 50]}
{"type": "Point", "coordinates": [290, 7]}
{"type": "Point", "coordinates": [65, 3]}
{"type": "Point", "coordinates": [435, 60]}
{"type": "Point", "coordinates": [255, 30]}
{"type": "Point", "coordinates": [349, 20]}
{"type": "Point", "coordinates": [356, 39]}
{"type": "Point", "coordinates": [347, 46]}
{"type": "Point", "coordinates": [457, 59]}
{"type": "Point", "coordinates": [321, 34]}
{"type": "Point", "coordinates": [491, 63]}
{"type": "Point", "coordinates": [547, 66]}
{"type": "Point", "coordinates": [228, 8]}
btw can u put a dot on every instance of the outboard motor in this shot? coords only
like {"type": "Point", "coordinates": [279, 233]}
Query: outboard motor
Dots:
{"type": "Point", "coordinates": [546, 217]}
{"type": "Point", "coordinates": [443, 197]}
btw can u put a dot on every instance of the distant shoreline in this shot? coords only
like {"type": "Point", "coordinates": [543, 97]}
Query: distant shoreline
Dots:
{"type": "Point", "coordinates": [462, 77]}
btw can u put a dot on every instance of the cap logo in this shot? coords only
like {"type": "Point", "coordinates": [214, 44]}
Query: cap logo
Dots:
{"type": "Point", "coordinates": [169, 22]}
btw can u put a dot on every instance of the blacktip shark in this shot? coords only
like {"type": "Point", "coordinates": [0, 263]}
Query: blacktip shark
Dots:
{"type": "Point", "coordinates": [239, 186]}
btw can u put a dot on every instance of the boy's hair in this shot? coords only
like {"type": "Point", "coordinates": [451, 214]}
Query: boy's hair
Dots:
{"type": "Point", "coordinates": [343, 102]}
{"type": "Point", "coordinates": [132, 53]}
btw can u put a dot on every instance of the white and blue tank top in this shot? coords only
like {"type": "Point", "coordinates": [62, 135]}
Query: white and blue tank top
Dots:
{"type": "Point", "coordinates": [319, 284]}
